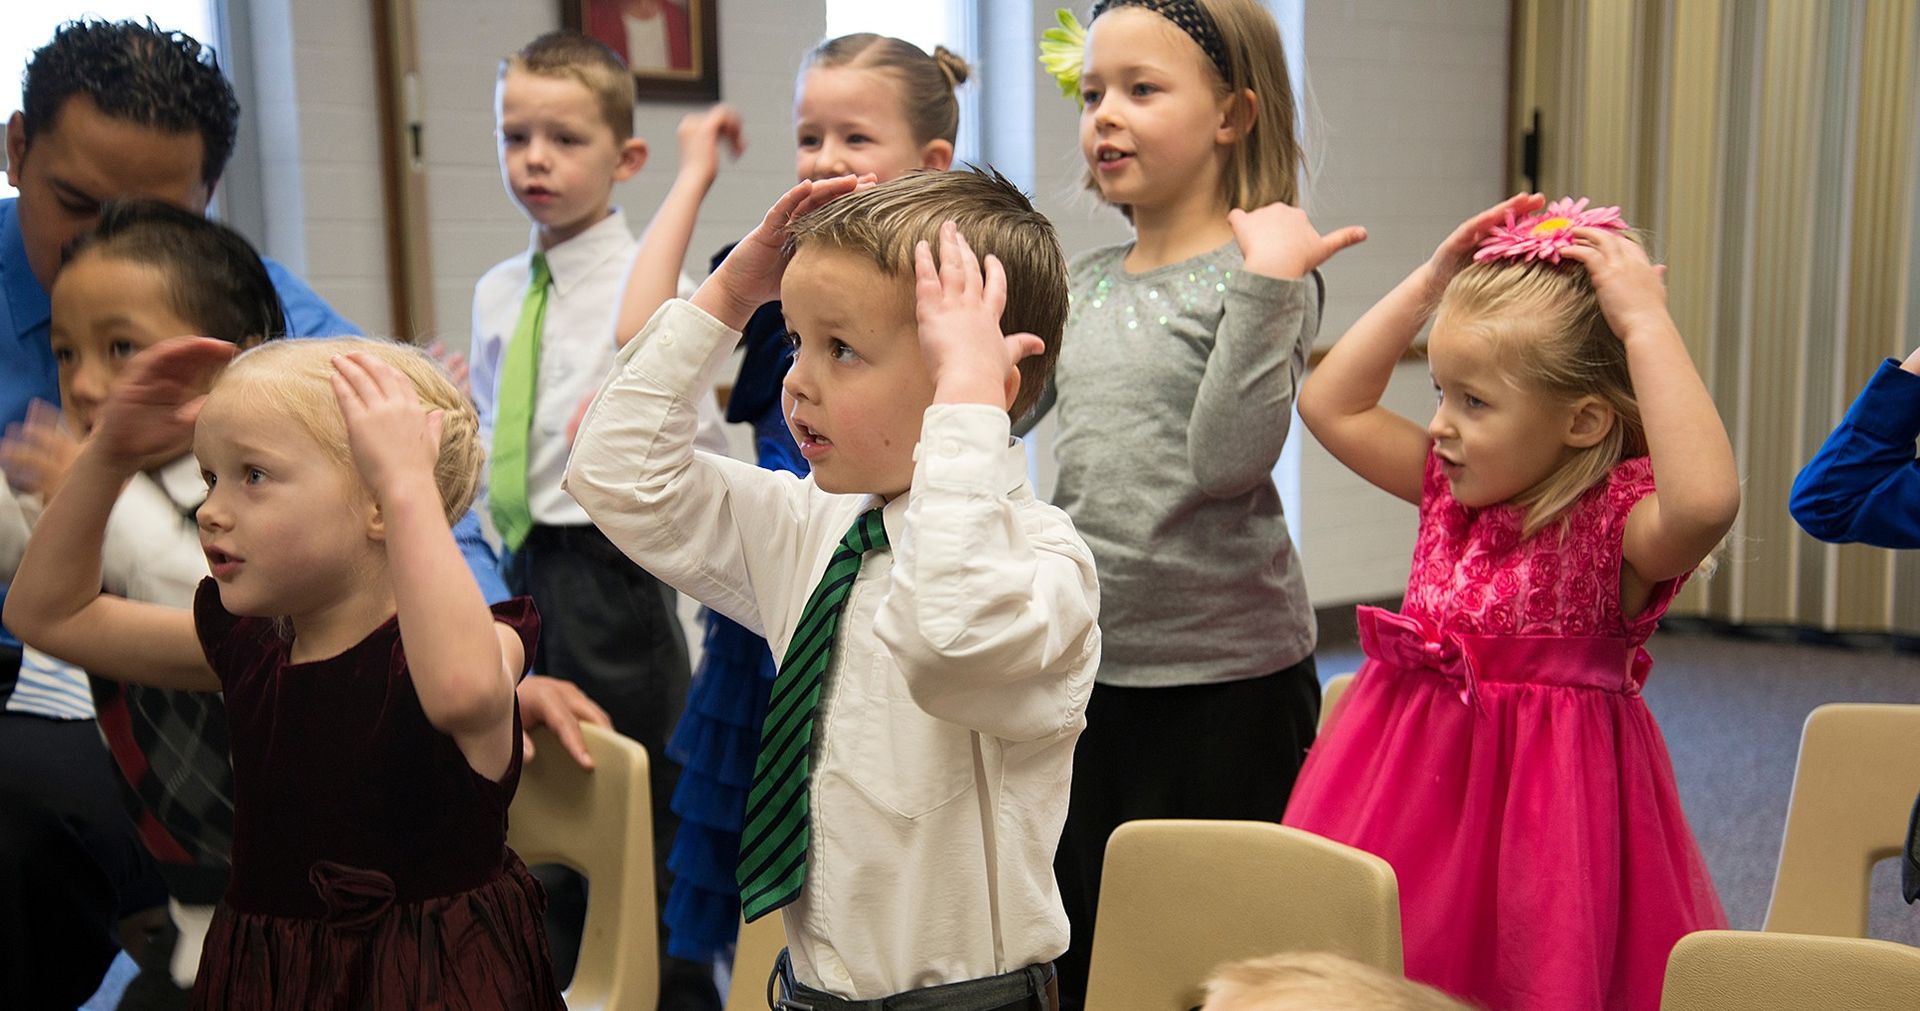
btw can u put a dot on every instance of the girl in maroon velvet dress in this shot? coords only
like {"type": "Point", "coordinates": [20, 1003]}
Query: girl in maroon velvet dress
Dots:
{"type": "Point", "coordinates": [369, 690]}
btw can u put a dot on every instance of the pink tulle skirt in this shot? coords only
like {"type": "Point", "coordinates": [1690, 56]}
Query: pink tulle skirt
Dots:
{"type": "Point", "coordinates": [1522, 793]}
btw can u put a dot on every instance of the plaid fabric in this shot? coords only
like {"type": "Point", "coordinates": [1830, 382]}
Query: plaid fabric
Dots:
{"type": "Point", "coordinates": [171, 750]}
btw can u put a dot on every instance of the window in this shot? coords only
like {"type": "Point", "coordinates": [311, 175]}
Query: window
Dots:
{"type": "Point", "coordinates": [25, 27]}
{"type": "Point", "coordinates": [925, 23]}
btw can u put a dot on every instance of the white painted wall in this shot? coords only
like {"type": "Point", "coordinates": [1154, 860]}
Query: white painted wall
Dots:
{"type": "Point", "coordinates": [1405, 132]}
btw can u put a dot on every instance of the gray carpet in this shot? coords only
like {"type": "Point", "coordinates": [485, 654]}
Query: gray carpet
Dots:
{"type": "Point", "coordinates": [1731, 708]}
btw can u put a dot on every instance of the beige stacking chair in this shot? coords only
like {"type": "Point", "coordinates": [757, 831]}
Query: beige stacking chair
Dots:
{"type": "Point", "coordinates": [753, 954]}
{"type": "Point", "coordinates": [1331, 694]}
{"type": "Point", "coordinates": [1738, 970]}
{"type": "Point", "coordinates": [599, 823]}
{"type": "Point", "coordinates": [1858, 773]}
{"type": "Point", "coordinates": [1178, 898]}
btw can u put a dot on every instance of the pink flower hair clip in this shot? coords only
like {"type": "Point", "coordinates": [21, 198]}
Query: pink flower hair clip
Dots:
{"type": "Point", "coordinates": [1543, 234]}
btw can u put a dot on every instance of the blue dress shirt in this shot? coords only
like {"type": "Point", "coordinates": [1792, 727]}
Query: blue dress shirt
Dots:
{"type": "Point", "coordinates": [1864, 483]}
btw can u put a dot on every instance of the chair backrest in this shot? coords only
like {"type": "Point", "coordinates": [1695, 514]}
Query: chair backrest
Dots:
{"type": "Point", "coordinates": [1178, 898]}
{"type": "Point", "coordinates": [1330, 696]}
{"type": "Point", "coordinates": [1738, 970]}
{"type": "Point", "coordinates": [599, 823]}
{"type": "Point", "coordinates": [753, 954]}
{"type": "Point", "coordinates": [1858, 772]}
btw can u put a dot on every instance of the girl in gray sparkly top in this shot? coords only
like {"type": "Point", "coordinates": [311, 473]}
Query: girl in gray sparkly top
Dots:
{"type": "Point", "coordinates": [1173, 394]}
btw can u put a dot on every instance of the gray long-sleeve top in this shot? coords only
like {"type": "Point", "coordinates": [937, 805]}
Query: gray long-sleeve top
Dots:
{"type": "Point", "coordinates": [1175, 390]}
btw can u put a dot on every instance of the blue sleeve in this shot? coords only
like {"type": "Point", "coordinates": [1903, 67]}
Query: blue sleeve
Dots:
{"type": "Point", "coordinates": [480, 558]}
{"type": "Point", "coordinates": [1864, 483]}
{"type": "Point", "coordinates": [308, 315]}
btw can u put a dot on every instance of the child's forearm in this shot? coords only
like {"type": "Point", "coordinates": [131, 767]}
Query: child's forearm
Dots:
{"type": "Point", "coordinates": [1693, 465]}
{"type": "Point", "coordinates": [1356, 371]}
{"type": "Point", "coordinates": [59, 574]}
{"type": "Point", "coordinates": [453, 652]}
{"type": "Point", "coordinates": [655, 275]}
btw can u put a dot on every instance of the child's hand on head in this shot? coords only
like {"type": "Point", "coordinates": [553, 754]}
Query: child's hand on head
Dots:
{"type": "Point", "coordinates": [1632, 290]}
{"type": "Point", "coordinates": [394, 438]}
{"type": "Point", "coordinates": [750, 275]}
{"type": "Point", "coordinates": [701, 134]}
{"type": "Point", "coordinates": [957, 306]}
{"type": "Point", "coordinates": [1458, 249]}
{"type": "Point", "coordinates": [1912, 364]}
{"type": "Point", "coordinates": [37, 453]}
{"type": "Point", "coordinates": [1279, 241]}
{"type": "Point", "coordinates": [148, 418]}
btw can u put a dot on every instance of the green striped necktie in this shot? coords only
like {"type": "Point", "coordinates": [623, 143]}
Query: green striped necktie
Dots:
{"type": "Point", "coordinates": [773, 844]}
{"type": "Point", "coordinates": [513, 413]}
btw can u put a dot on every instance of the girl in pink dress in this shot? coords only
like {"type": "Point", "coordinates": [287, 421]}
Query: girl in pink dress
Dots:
{"type": "Point", "coordinates": [1495, 748]}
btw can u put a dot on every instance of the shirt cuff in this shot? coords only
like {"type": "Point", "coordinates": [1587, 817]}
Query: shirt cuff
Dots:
{"type": "Point", "coordinates": [679, 345]}
{"type": "Point", "coordinates": [1890, 405]}
{"type": "Point", "coordinates": [967, 447]}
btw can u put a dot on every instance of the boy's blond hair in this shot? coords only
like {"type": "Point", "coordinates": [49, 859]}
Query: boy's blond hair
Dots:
{"type": "Point", "coordinates": [885, 222]}
{"type": "Point", "coordinates": [571, 55]}
{"type": "Point", "coordinates": [1317, 981]}
{"type": "Point", "coordinates": [296, 378]}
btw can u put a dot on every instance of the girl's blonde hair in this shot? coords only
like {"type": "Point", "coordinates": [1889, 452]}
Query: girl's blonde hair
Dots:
{"type": "Point", "coordinates": [926, 83]}
{"type": "Point", "coordinates": [1319, 981]}
{"type": "Point", "coordinates": [296, 376]}
{"type": "Point", "coordinates": [1545, 319]}
{"type": "Point", "coordinates": [1264, 167]}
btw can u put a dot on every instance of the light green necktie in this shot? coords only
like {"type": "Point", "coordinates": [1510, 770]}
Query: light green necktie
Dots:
{"type": "Point", "coordinates": [513, 414]}
{"type": "Point", "coordinates": [773, 841]}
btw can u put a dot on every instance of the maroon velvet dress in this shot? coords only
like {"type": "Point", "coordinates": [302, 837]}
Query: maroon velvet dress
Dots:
{"type": "Point", "coordinates": [370, 862]}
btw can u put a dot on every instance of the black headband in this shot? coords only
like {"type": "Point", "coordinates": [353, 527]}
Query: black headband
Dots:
{"type": "Point", "coordinates": [1186, 15]}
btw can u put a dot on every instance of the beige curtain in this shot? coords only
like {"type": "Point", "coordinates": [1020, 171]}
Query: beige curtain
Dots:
{"type": "Point", "coordinates": [1770, 149]}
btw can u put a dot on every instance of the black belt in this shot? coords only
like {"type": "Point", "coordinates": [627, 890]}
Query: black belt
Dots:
{"type": "Point", "coordinates": [1028, 989]}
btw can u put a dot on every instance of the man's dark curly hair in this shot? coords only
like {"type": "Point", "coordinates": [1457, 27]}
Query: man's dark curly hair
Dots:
{"type": "Point", "coordinates": [139, 73]}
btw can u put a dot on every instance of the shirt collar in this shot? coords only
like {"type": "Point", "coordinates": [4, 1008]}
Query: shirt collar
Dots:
{"type": "Point", "coordinates": [577, 257]}
{"type": "Point", "coordinates": [26, 300]}
{"type": "Point", "coordinates": [182, 483]}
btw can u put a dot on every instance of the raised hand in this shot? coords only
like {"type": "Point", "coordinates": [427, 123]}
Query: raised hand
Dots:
{"type": "Point", "coordinates": [1632, 290]}
{"type": "Point", "coordinates": [148, 418]}
{"type": "Point", "coordinates": [37, 453]}
{"type": "Point", "coordinates": [1457, 251]}
{"type": "Point", "coordinates": [957, 305]}
{"type": "Point", "coordinates": [1279, 241]}
{"type": "Point", "coordinates": [455, 363]}
{"type": "Point", "coordinates": [701, 135]}
{"type": "Point", "coordinates": [750, 275]}
{"type": "Point", "coordinates": [394, 438]}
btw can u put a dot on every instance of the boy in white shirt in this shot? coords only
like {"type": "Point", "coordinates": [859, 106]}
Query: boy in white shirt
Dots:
{"type": "Point", "coordinates": [544, 337]}
{"type": "Point", "coordinates": [907, 826]}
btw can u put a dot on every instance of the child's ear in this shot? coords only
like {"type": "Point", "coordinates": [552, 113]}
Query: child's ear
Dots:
{"type": "Point", "coordinates": [633, 158]}
{"type": "Point", "coordinates": [1589, 421]}
{"type": "Point", "coordinates": [376, 520]}
{"type": "Point", "coordinates": [937, 155]}
{"type": "Point", "coordinates": [1238, 113]}
{"type": "Point", "coordinates": [1013, 385]}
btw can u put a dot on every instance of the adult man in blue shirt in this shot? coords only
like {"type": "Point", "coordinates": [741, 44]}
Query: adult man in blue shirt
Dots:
{"type": "Point", "coordinates": [114, 110]}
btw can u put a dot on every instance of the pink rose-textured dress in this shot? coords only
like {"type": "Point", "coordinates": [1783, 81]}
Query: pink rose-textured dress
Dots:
{"type": "Point", "coordinates": [1496, 751]}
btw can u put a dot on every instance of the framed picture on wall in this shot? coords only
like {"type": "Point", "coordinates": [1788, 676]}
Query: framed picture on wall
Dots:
{"type": "Point", "coordinates": [673, 46]}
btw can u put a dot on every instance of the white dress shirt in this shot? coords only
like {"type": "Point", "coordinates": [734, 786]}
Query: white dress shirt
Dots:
{"type": "Point", "coordinates": [151, 552]}
{"type": "Point", "coordinates": [944, 741]}
{"type": "Point", "coordinates": [576, 350]}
